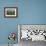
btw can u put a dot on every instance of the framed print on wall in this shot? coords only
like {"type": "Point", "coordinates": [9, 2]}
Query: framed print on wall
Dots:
{"type": "Point", "coordinates": [11, 12]}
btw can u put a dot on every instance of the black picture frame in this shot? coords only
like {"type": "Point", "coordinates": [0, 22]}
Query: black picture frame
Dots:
{"type": "Point", "coordinates": [10, 12]}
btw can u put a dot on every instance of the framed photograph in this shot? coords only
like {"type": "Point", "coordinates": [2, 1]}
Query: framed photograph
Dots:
{"type": "Point", "coordinates": [11, 12]}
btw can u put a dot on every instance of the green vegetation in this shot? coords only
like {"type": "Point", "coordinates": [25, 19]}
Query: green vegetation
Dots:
{"type": "Point", "coordinates": [10, 12]}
